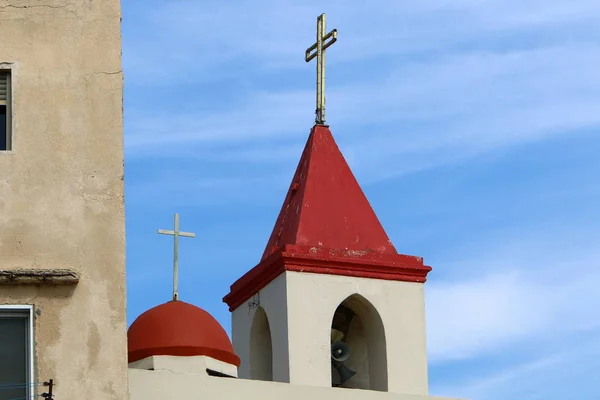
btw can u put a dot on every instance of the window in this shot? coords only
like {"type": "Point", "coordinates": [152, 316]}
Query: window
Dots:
{"type": "Point", "coordinates": [16, 371]}
{"type": "Point", "coordinates": [5, 111]}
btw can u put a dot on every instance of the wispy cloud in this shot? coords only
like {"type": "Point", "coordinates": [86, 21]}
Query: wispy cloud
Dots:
{"type": "Point", "coordinates": [440, 107]}
{"type": "Point", "coordinates": [520, 304]}
{"type": "Point", "coordinates": [560, 374]}
{"type": "Point", "coordinates": [426, 114]}
{"type": "Point", "coordinates": [477, 316]}
{"type": "Point", "coordinates": [216, 37]}
{"type": "Point", "coordinates": [219, 103]}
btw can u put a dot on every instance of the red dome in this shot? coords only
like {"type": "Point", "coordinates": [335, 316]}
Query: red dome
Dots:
{"type": "Point", "coordinates": [177, 328]}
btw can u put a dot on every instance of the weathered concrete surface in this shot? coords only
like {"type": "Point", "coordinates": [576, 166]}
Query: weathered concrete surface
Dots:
{"type": "Point", "coordinates": [61, 188]}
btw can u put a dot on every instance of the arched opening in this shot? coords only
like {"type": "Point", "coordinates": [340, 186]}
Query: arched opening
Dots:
{"type": "Point", "coordinates": [261, 350]}
{"type": "Point", "coordinates": [358, 346]}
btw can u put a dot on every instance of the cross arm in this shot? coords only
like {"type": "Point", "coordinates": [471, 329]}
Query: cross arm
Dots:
{"type": "Point", "coordinates": [172, 233]}
{"type": "Point", "coordinates": [331, 35]}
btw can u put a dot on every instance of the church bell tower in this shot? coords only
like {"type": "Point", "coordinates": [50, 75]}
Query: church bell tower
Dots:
{"type": "Point", "coordinates": [62, 231]}
{"type": "Point", "coordinates": [331, 303]}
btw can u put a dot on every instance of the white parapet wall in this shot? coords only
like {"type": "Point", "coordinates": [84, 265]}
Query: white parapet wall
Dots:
{"type": "Point", "coordinates": [196, 365]}
{"type": "Point", "coordinates": [167, 385]}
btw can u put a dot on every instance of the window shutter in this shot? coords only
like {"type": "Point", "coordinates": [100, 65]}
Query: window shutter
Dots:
{"type": "Point", "coordinates": [3, 88]}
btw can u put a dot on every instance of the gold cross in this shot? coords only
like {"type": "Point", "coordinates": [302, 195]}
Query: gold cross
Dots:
{"type": "Point", "coordinates": [176, 233]}
{"type": "Point", "coordinates": [319, 52]}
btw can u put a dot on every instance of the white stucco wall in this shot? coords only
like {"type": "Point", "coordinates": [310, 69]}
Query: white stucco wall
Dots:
{"type": "Point", "coordinates": [273, 300]}
{"type": "Point", "coordinates": [300, 307]}
{"type": "Point", "coordinates": [185, 365]}
{"type": "Point", "coordinates": [166, 385]}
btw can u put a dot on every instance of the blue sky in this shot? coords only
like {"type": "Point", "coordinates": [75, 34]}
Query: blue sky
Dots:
{"type": "Point", "coordinates": [472, 126]}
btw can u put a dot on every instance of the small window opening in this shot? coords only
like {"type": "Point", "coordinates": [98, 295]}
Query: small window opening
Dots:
{"type": "Point", "coordinates": [5, 111]}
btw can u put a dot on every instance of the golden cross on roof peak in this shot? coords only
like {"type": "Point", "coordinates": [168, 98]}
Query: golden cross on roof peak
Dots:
{"type": "Point", "coordinates": [318, 50]}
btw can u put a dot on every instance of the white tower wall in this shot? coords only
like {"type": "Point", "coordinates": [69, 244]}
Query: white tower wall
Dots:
{"type": "Point", "coordinates": [300, 307]}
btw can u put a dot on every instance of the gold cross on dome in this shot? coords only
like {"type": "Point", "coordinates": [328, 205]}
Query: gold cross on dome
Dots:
{"type": "Point", "coordinates": [176, 233]}
{"type": "Point", "coordinates": [318, 50]}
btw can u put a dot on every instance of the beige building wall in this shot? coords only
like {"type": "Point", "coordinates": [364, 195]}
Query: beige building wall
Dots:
{"type": "Point", "coordinates": [163, 384]}
{"type": "Point", "coordinates": [300, 307]}
{"type": "Point", "coordinates": [61, 189]}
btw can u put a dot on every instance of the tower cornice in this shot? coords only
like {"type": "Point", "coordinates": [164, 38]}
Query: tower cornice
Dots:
{"type": "Point", "coordinates": [319, 260]}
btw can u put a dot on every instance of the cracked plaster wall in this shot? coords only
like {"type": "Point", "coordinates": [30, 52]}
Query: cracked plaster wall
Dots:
{"type": "Point", "coordinates": [61, 188]}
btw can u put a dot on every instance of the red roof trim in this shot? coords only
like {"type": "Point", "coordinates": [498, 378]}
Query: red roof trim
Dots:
{"type": "Point", "coordinates": [318, 260]}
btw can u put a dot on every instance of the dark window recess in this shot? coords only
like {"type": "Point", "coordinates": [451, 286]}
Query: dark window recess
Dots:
{"type": "Point", "coordinates": [5, 112]}
{"type": "Point", "coordinates": [3, 129]}
{"type": "Point", "coordinates": [13, 357]}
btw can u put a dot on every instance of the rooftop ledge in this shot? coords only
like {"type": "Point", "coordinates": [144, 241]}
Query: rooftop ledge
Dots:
{"type": "Point", "coordinates": [38, 276]}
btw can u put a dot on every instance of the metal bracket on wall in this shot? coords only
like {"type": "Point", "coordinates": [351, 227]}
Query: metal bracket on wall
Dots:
{"type": "Point", "coordinates": [254, 303]}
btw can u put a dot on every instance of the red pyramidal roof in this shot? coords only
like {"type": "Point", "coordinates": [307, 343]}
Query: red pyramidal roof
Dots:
{"type": "Point", "coordinates": [325, 205]}
{"type": "Point", "coordinates": [326, 226]}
